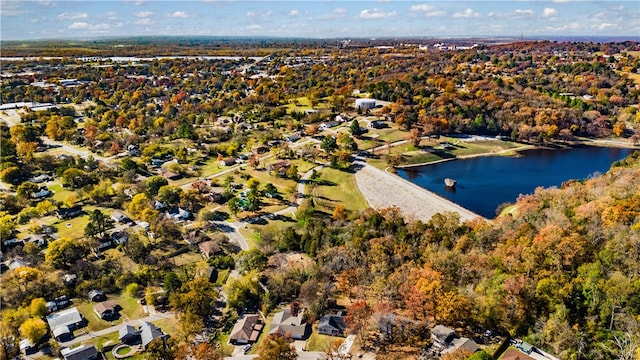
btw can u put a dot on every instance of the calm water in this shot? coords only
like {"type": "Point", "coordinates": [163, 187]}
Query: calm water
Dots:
{"type": "Point", "coordinates": [486, 182]}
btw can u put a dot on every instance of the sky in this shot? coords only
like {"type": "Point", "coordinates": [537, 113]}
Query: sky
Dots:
{"type": "Point", "coordinates": [90, 19]}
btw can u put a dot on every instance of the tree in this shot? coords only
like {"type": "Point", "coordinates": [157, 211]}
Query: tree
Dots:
{"type": "Point", "coordinates": [234, 205]}
{"type": "Point", "coordinates": [98, 224]}
{"type": "Point", "coordinates": [161, 349]}
{"type": "Point", "coordinates": [74, 178]}
{"type": "Point", "coordinates": [277, 347]}
{"type": "Point", "coordinates": [138, 204]}
{"type": "Point", "coordinates": [33, 329]}
{"type": "Point", "coordinates": [169, 195]}
{"type": "Point", "coordinates": [292, 172]}
{"type": "Point", "coordinates": [339, 212]}
{"type": "Point", "coordinates": [354, 128]}
{"type": "Point", "coordinates": [38, 307]}
{"type": "Point", "coordinates": [153, 185]}
{"type": "Point", "coordinates": [11, 174]}
{"type": "Point", "coordinates": [329, 143]}
{"type": "Point", "coordinates": [357, 318]}
{"type": "Point", "coordinates": [202, 351]}
{"type": "Point", "coordinates": [63, 252]}
{"type": "Point", "coordinates": [269, 188]}
{"type": "Point", "coordinates": [197, 297]}
{"type": "Point", "coordinates": [252, 259]}
{"type": "Point", "coordinates": [244, 293]}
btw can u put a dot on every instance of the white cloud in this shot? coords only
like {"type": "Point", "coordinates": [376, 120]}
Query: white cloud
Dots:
{"type": "Point", "coordinates": [294, 12]}
{"type": "Point", "coordinates": [258, 13]}
{"type": "Point", "coordinates": [571, 26]}
{"type": "Point", "coordinates": [253, 27]}
{"type": "Point", "coordinates": [11, 8]}
{"type": "Point", "coordinates": [144, 21]}
{"type": "Point", "coordinates": [72, 16]}
{"type": "Point", "coordinates": [467, 14]}
{"type": "Point", "coordinates": [179, 15]}
{"type": "Point", "coordinates": [527, 12]}
{"type": "Point", "coordinates": [46, 3]}
{"type": "Point", "coordinates": [561, 1]}
{"type": "Point", "coordinates": [87, 26]}
{"type": "Point", "coordinates": [427, 10]}
{"type": "Point", "coordinates": [144, 14]}
{"type": "Point", "coordinates": [376, 14]}
{"type": "Point", "coordinates": [549, 12]}
{"type": "Point", "coordinates": [603, 26]}
{"type": "Point", "coordinates": [112, 15]}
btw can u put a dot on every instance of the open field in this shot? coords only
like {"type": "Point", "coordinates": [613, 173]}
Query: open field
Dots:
{"type": "Point", "coordinates": [335, 187]}
{"type": "Point", "coordinates": [322, 343]}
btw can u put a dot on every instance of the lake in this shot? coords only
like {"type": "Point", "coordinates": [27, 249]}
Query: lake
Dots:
{"type": "Point", "coordinates": [483, 183]}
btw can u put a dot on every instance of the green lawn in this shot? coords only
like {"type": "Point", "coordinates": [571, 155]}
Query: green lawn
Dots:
{"type": "Point", "coordinates": [131, 309]}
{"type": "Point", "coordinates": [322, 343]}
{"type": "Point", "coordinates": [338, 187]}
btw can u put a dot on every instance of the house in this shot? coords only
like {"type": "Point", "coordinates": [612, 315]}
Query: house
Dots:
{"type": "Point", "coordinates": [228, 162]}
{"type": "Point", "coordinates": [40, 179]}
{"type": "Point", "coordinates": [16, 263]}
{"type": "Point", "coordinates": [119, 237]}
{"type": "Point", "coordinates": [448, 341]}
{"type": "Point", "coordinates": [327, 125]}
{"type": "Point", "coordinates": [27, 347]}
{"type": "Point", "coordinates": [260, 150]}
{"type": "Point", "coordinates": [377, 124]}
{"type": "Point", "coordinates": [42, 193]}
{"type": "Point", "coordinates": [68, 213]}
{"type": "Point", "coordinates": [209, 248]}
{"type": "Point", "coordinates": [133, 150]}
{"type": "Point", "coordinates": [159, 205]}
{"type": "Point", "coordinates": [170, 175]}
{"type": "Point", "coordinates": [178, 214]}
{"type": "Point", "coordinates": [332, 325]}
{"type": "Point", "coordinates": [279, 167]}
{"type": "Point", "coordinates": [36, 239]}
{"type": "Point", "coordinates": [62, 323]}
{"type": "Point", "coordinates": [285, 323]}
{"type": "Point", "coordinates": [97, 295]}
{"type": "Point", "coordinates": [83, 352]}
{"type": "Point", "coordinates": [103, 243]}
{"type": "Point", "coordinates": [246, 330]}
{"type": "Point", "coordinates": [128, 334]}
{"type": "Point", "coordinates": [107, 310]}
{"type": "Point", "coordinates": [119, 217]}
{"type": "Point", "coordinates": [515, 354]}
{"type": "Point", "coordinates": [150, 332]}
{"type": "Point", "coordinates": [292, 138]}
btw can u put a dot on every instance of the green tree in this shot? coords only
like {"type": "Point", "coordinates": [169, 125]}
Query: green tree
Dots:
{"type": "Point", "coordinates": [26, 190]}
{"type": "Point", "coordinates": [138, 204]}
{"type": "Point", "coordinates": [33, 329]}
{"type": "Point", "coordinates": [244, 292]}
{"type": "Point", "coordinates": [11, 175]}
{"type": "Point", "coordinates": [329, 144]}
{"type": "Point", "coordinates": [277, 347]}
{"type": "Point", "coordinates": [269, 188]}
{"type": "Point", "coordinates": [252, 259]}
{"type": "Point", "coordinates": [153, 185]}
{"type": "Point", "coordinates": [197, 297]}
{"type": "Point", "coordinates": [98, 224]}
{"type": "Point", "coordinates": [169, 195]}
{"type": "Point", "coordinates": [38, 307]}
{"type": "Point", "coordinates": [354, 128]}
{"type": "Point", "coordinates": [234, 205]}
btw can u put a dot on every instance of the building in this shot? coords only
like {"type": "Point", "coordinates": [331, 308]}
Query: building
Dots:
{"type": "Point", "coordinates": [448, 341]}
{"type": "Point", "coordinates": [209, 248]}
{"type": "Point", "coordinates": [107, 310]}
{"type": "Point", "coordinates": [83, 352]}
{"type": "Point", "coordinates": [178, 214]}
{"type": "Point", "coordinates": [63, 323]}
{"type": "Point", "coordinates": [246, 330]}
{"type": "Point", "coordinates": [332, 325]}
{"type": "Point", "coordinates": [128, 334]}
{"type": "Point", "coordinates": [150, 332]}
{"type": "Point", "coordinates": [68, 213]}
{"type": "Point", "coordinates": [119, 217]}
{"type": "Point", "coordinates": [97, 295]}
{"type": "Point", "coordinates": [365, 104]}
{"type": "Point", "coordinates": [285, 323]}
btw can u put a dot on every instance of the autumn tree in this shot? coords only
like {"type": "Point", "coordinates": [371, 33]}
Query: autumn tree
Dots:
{"type": "Point", "coordinates": [98, 224]}
{"type": "Point", "coordinates": [277, 347]}
{"type": "Point", "coordinates": [358, 317]}
{"type": "Point", "coordinates": [33, 329]}
{"type": "Point", "coordinates": [64, 252]}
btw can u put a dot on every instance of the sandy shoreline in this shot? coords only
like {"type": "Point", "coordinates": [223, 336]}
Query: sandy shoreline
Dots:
{"type": "Point", "coordinates": [382, 190]}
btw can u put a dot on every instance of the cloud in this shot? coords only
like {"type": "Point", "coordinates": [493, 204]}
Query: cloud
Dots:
{"type": "Point", "coordinates": [467, 14]}
{"type": "Point", "coordinates": [376, 14]}
{"type": "Point", "coordinates": [571, 26]}
{"type": "Point", "coordinates": [144, 21]}
{"type": "Point", "coordinates": [11, 8]}
{"type": "Point", "coordinates": [112, 15]}
{"type": "Point", "coordinates": [144, 14]}
{"type": "Point", "coordinates": [294, 12]}
{"type": "Point", "coordinates": [527, 12]}
{"type": "Point", "coordinates": [427, 10]}
{"type": "Point", "coordinates": [179, 15]}
{"type": "Point", "coordinates": [72, 16]}
{"type": "Point", "coordinates": [561, 1]}
{"type": "Point", "coordinates": [87, 26]}
{"type": "Point", "coordinates": [603, 26]}
{"type": "Point", "coordinates": [549, 12]}
{"type": "Point", "coordinates": [258, 13]}
{"type": "Point", "coordinates": [135, 2]}
{"type": "Point", "coordinates": [254, 27]}
{"type": "Point", "coordinates": [46, 3]}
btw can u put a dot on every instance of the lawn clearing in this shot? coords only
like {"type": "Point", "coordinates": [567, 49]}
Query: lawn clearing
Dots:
{"type": "Point", "coordinates": [338, 187]}
{"type": "Point", "coordinates": [323, 343]}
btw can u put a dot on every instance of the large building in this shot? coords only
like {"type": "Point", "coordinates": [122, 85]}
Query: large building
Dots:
{"type": "Point", "coordinates": [365, 104]}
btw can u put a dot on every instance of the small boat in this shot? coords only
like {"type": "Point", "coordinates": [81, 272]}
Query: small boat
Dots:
{"type": "Point", "coordinates": [450, 183]}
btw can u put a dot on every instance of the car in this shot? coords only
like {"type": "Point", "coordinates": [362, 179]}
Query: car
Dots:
{"type": "Point", "coordinates": [246, 348]}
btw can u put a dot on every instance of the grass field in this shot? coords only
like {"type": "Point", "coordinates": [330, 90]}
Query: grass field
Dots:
{"type": "Point", "coordinates": [131, 309]}
{"type": "Point", "coordinates": [322, 343]}
{"type": "Point", "coordinates": [338, 187]}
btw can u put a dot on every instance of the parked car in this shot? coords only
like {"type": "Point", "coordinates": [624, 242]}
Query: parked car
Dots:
{"type": "Point", "coordinates": [246, 348]}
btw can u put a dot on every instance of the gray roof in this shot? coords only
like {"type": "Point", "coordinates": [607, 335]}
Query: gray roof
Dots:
{"type": "Point", "coordinates": [61, 330]}
{"type": "Point", "coordinates": [149, 332]}
{"type": "Point", "coordinates": [127, 330]}
{"type": "Point", "coordinates": [64, 318]}
{"type": "Point", "coordinates": [80, 353]}
{"type": "Point", "coordinates": [461, 343]}
{"type": "Point", "coordinates": [332, 322]}
{"type": "Point", "coordinates": [246, 329]}
{"type": "Point", "coordinates": [442, 333]}
{"type": "Point", "coordinates": [285, 323]}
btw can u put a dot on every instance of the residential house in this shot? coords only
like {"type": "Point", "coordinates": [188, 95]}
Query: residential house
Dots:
{"type": "Point", "coordinates": [178, 214]}
{"type": "Point", "coordinates": [285, 323]}
{"type": "Point", "coordinates": [16, 263]}
{"type": "Point", "coordinates": [515, 354]}
{"type": "Point", "coordinates": [228, 162]}
{"type": "Point", "coordinates": [260, 150]}
{"type": "Point", "coordinates": [107, 310]}
{"type": "Point", "coordinates": [170, 175]}
{"type": "Point", "coordinates": [150, 332]}
{"type": "Point", "coordinates": [97, 295]}
{"type": "Point", "coordinates": [280, 167]}
{"type": "Point", "coordinates": [27, 347]}
{"type": "Point", "coordinates": [42, 193]}
{"type": "Point", "coordinates": [128, 334]}
{"type": "Point", "coordinates": [377, 124]}
{"type": "Point", "coordinates": [209, 248]}
{"type": "Point", "coordinates": [119, 217]}
{"type": "Point", "coordinates": [83, 352]}
{"type": "Point", "coordinates": [119, 237]}
{"type": "Point", "coordinates": [246, 330]}
{"type": "Point", "coordinates": [448, 341]}
{"type": "Point", "coordinates": [40, 179]}
{"type": "Point", "coordinates": [332, 325]}
{"type": "Point", "coordinates": [63, 323]}
{"type": "Point", "coordinates": [327, 125]}
{"type": "Point", "coordinates": [68, 213]}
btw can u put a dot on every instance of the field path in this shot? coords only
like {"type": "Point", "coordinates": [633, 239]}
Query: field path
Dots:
{"type": "Point", "coordinates": [383, 190]}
